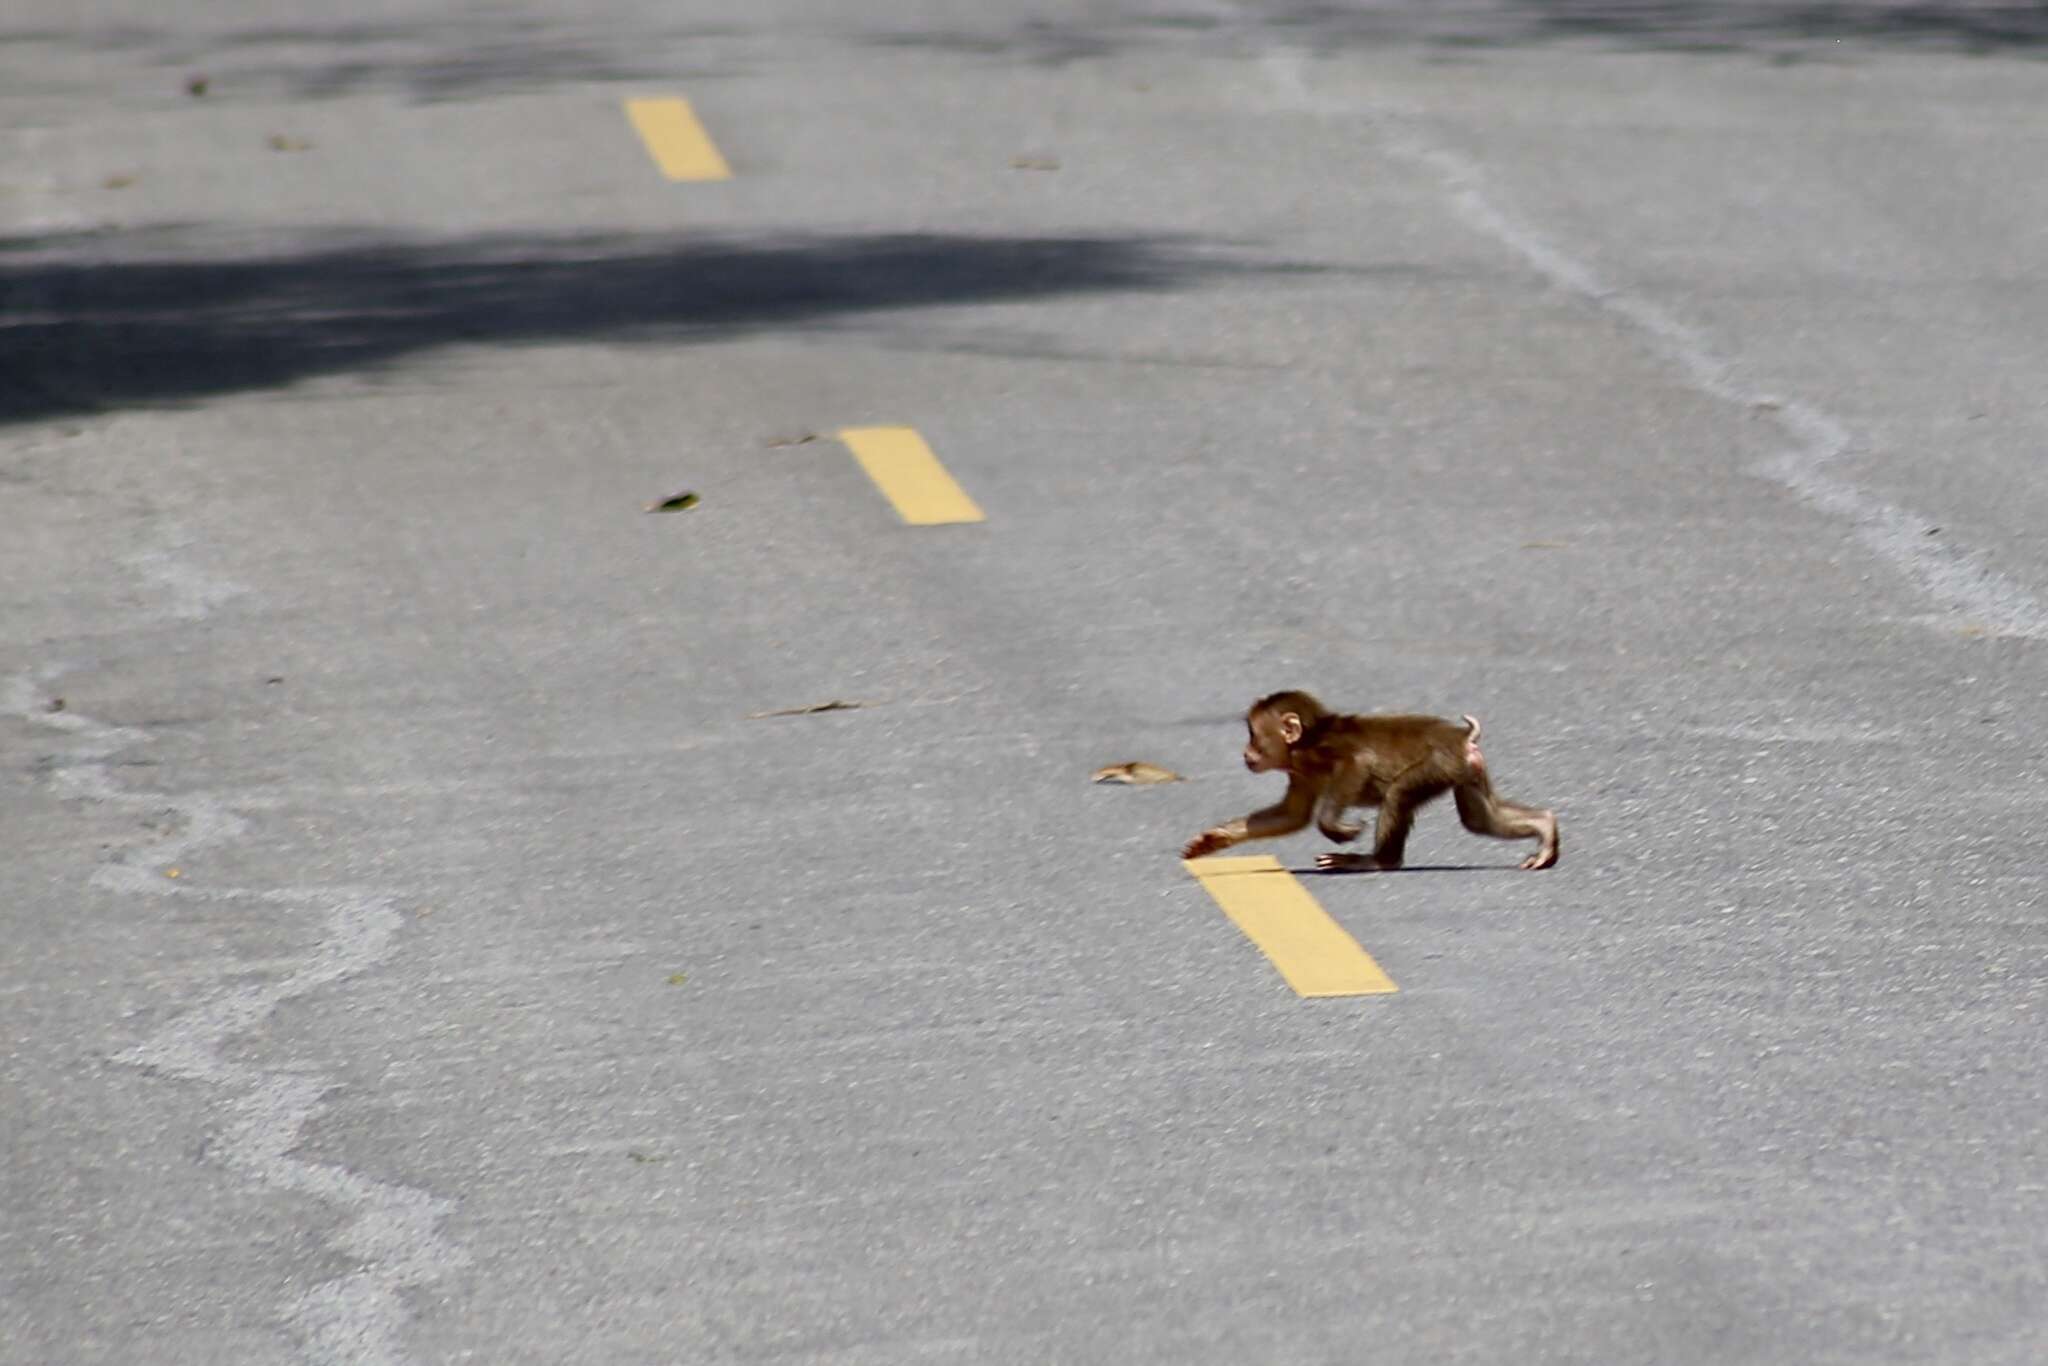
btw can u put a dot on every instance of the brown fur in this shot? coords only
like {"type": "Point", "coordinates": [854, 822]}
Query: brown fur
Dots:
{"type": "Point", "coordinates": [1334, 762]}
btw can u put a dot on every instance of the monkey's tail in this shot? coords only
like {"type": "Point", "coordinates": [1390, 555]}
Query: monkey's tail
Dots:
{"type": "Point", "coordinates": [1472, 724]}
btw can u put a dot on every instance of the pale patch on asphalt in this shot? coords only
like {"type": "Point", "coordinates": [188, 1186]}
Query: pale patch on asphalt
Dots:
{"type": "Point", "coordinates": [262, 1114]}
{"type": "Point", "coordinates": [1961, 581]}
{"type": "Point", "coordinates": [193, 592]}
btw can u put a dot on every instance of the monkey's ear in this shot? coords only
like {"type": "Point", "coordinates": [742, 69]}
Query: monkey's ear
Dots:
{"type": "Point", "coordinates": [1290, 727]}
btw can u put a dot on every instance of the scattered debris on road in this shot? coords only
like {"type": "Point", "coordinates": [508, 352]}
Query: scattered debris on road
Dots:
{"type": "Point", "coordinates": [195, 86]}
{"type": "Point", "coordinates": [55, 704]}
{"type": "Point", "coordinates": [812, 710]}
{"type": "Point", "coordinates": [676, 979]}
{"type": "Point", "coordinates": [1035, 163]}
{"type": "Point", "coordinates": [1546, 545]}
{"type": "Point", "coordinates": [674, 504]}
{"type": "Point", "coordinates": [802, 439]}
{"type": "Point", "coordinates": [1137, 773]}
{"type": "Point", "coordinates": [280, 142]}
{"type": "Point", "coordinates": [120, 181]}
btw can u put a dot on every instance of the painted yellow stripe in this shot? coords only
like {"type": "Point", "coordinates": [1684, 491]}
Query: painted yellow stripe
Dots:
{"type": "Point", "coordinates": [905, 469]}
{"type": "Point", "coordinates": [676, 141]}
{"type": "Point", "coordinates": [1276, 912]}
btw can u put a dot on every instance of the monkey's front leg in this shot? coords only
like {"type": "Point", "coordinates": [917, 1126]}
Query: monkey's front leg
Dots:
{"type": "Point", "coordinates": [1354, 863]}
{"type": "Point", "coordinates": [1216, 839]}
{"type": "Point", "coordinates": [1290, 814]}
{"type": "Point", "coordinates": [1390, 838]}
{"type": "Point", "coordinates": [1330, 817]}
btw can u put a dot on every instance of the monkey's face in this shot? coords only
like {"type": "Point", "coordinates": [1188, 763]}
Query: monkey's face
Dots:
{"type": "Point", "coordinates": [1270, 739]}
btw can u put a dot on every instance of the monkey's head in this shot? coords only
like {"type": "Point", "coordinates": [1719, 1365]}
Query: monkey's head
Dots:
{"type": "Point", "coordinates": [1276, 725]}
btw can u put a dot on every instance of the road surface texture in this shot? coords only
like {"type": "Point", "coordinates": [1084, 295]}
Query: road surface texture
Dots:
{"type": "Point", "coordinates": [417, 950]}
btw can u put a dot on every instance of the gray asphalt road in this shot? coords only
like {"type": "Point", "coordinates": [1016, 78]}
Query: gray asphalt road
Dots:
{"type": "Point", "coordinates": [416, 954]}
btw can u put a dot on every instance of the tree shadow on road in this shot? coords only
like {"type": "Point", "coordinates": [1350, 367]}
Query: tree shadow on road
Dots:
{"type": "Point", "coordinates": [426, 60]}
{"type": "Point", "coordinates": [1781, 28]}
{"type": "Point", "coordinates": [94, 322]}
{"type": "Point", "coordinates": [480, 55]}
{"type": "Point", "coordinates": [1971, 26]}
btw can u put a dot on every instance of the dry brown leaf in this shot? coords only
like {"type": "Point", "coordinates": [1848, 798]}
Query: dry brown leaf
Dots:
{"type": "Point", "coordinates": [1035, 163]}
{"type": "Point", "coordinates": [1137, 773]}
{"type": "Point", "coordinates": [119, 182]}
{"type": "Point", "coordinates": [279, 142]}
{"type": "Point", "coordinates": [802, 439]}
{"type": "Point", "coordinates": [812, 710]}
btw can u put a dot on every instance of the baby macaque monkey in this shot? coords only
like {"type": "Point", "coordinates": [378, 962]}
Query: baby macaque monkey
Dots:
{"type": "Point", "coordinates": [1396, 763]}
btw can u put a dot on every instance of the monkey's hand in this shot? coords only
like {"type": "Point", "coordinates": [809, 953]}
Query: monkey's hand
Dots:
{"type": "Point", "coordinates": [1352, 863]}
{"type": "Point", "coordinates": [1209, 842]}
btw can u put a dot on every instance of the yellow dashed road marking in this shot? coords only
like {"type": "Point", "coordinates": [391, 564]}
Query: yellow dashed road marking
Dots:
{"type": "Point", "coordinates": [1276, 912]}
{"type": "Point", "coordinates": [676, 141]}
{"type": "Point", "coordinates": [905, 469]}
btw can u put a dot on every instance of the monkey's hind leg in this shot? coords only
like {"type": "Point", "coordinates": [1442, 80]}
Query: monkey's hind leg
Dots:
{"type": "Point", "coordinates": [1484, 812]}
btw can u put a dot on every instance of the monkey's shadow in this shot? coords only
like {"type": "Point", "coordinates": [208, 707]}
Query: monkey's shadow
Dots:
{"type": "Point", "coordinates": [1313, 871]}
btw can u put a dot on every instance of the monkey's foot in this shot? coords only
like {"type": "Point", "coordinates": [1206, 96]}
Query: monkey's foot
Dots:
{"type": "Point", "coordinates": [1542, 858]}
{"type": "Point", "coordinates": [1206, 843]}
{"type": "Point", "coordinates": [1352, 863]}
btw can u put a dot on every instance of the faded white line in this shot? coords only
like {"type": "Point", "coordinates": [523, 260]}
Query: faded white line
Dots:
{"type": "Point", "coordinates": [1961, 581]}
{"type": "Point", "coordinates": [201, 821]}
{"type": "Point", "coordinates": [393, 1230]}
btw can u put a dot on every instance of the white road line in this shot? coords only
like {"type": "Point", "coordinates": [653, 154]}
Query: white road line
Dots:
{"type": "Point", "coordinates": [1961, 581]}
{"type": "Point", "coordinates": [260, 1116]}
